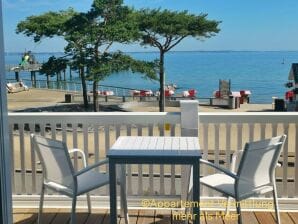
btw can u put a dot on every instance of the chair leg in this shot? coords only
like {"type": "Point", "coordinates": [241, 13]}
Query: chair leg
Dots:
{"type": "Point", "coordinates": [41, 203]}
{"type": "Point", "coordinates": [73, 210]}
{"type": "Point", "coordinates": [276, 204]}
{"type": "Point", "coordinates": [238, 212]}
{"type": "Point", "coordinates": [228, 206]}
{"type": "Point", "coordinates": [89, 203]}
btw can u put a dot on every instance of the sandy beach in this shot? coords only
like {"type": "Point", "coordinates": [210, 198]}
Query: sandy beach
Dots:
{"type": "Point", "coordinates": [39, 98]}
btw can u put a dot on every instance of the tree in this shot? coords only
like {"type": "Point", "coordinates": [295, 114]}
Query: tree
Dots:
{"type": "Point", "coordinates": [111, 22]}
{"type": "Point", "coordinates": [52, 24]}
{"type": "Point", "coordinates": [165, 29]}
{"type": "Point", "coordinates": [89, 36]}
{"type": "Point", "coordinates": [109, 63]}
{"type": "Point", "coordinates": [54, 66]}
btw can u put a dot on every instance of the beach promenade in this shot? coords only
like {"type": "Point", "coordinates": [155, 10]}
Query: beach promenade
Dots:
{"type": "Point", "coordinates": [39, 98]}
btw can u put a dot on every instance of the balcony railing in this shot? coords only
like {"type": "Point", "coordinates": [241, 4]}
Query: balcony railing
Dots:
{"type": "Point", "coordinates": [220, 134]}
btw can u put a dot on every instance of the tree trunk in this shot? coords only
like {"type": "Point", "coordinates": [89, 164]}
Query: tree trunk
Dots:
{"type": "Point", "coordinates": [70, 74]}
{"type": "Point", "coordinates": [84, 87]}
{"type": "Point", "coordinates": [95, 82]}
{"type": "Point", "coordinates": [95, 96]}
{"type": "Point", "coordinates": [162, 82]}
{"type": "Point", "coordinates": [48, 81]}
{"type": "Point", "coordinates": [58, 80]}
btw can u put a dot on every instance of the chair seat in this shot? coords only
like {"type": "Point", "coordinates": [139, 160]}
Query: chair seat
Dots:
{"type": "Point", "coordinates": [86, 182]}
{"type": "Point", "coordinates": [225, 184]}
{"type": "Point", "coordinates": [91, 180]}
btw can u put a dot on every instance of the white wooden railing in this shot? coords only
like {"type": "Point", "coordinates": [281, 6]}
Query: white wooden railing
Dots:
{"type": "Point", "coordinates": [220, 134]}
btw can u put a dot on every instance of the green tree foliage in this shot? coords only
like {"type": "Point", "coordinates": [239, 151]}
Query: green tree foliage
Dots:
{"type": "Point", "coordinates": [49, 24]}
{"type": "Point", "coordinates": [118, 62]}
{"type": "Point", "coordinates": [165, 29]}
{"type": "Point", "coordinates": [89, 37]}
{"type": "Point", "coordinates": [53, 67]}
{"type": "Point", "coordinates": [111, 22]}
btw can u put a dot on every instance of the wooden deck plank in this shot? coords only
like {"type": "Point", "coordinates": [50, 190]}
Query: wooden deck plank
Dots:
{"type": "Point", "coordinates": [28, 219]}
{"type": "Point", "coordinates": [18, 218]}
{"type": "Point", "coordinates": [133, 217]}
{"type": "Point", "coordinates": [62, 217]}
{"type": "Point", "coordinates": [212, 217]}
{"type": "Point", "coordinates": [146, 217]}
{"type": "Point", "coordinates": [82, 217]}
{"type": "Point", "coordinates": [249, 217]}
{"type": "Point", "coordinates": [24, 216]}
{"type": "Point", "coordinates": [232, 218]}
{"type": "Point", "coordinates": [96, 217]}
{"type": "Point", "coordinates": [294, 216]}
{"type": "Point", "coordinates": [106, 218]}
{"type": "Point", "coordinates": [162, 216]}
{"type": "Point", "coordinates": [176, 216]}
{"type": "Point", "coordinates": [48, 215]}
{"type": "Point", "coordinates": [285, 218]}
{"type": "Point", "coordinates": [264, 217]}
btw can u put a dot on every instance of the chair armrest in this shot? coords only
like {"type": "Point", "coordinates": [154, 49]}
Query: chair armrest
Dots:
{"type": "Point", "coordinates": [102, 162]}
{"type": "Point", "coordinates": [82, 154]}
{"type": "Point", "coordinates": [226, 171]}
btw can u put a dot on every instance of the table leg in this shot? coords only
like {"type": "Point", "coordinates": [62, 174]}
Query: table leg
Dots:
{"type": "Point", "coordinates": [113, 192]}
{"type": "Point", "coordinates": [124, 210]}
{"type": "Point", "coordinates": [196, 191]}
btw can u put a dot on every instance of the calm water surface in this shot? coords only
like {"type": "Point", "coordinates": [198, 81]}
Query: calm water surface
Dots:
{"type": "Point", "coordinates": [264, 73]}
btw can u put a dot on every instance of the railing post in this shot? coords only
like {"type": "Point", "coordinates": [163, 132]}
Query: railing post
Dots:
{"type": "Point", "coordinates": [189, 118]}
{"type": "Point", "coordinates": [189, 127]}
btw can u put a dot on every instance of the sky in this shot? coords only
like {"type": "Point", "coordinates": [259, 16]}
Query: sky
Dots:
{"type": "Point", "coordinates": [252, 25]}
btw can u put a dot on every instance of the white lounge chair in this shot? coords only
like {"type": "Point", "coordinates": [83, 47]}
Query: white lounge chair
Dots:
{"type": "Point", "coordinates": [16, 87]}
{"type": "Point", "coordinates": [252, 175]}
{"type": "Point", "coordinates": [59, 174]}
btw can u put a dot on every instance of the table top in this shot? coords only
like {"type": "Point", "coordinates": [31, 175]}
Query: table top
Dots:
{"type": "Point", "coordinates": [154, 146]}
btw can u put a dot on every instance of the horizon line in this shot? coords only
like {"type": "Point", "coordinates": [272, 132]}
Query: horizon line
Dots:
{"type": "Point", "coordinates": [61, 52]}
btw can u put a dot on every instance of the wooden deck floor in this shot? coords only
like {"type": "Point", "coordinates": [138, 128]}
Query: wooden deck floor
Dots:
{"type": "Point", "coordinates": [61, 216]}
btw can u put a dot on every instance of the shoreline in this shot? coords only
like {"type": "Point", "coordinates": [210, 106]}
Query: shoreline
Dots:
{"type": "Point", "coordinates": [40, 100]}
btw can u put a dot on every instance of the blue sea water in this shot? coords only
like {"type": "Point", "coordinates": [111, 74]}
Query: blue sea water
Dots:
{"type": "Point", "coordinates": [263, 73]}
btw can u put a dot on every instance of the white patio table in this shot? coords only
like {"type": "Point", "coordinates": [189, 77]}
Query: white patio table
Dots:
{"type": "Point", "coordinates": [154, 150]}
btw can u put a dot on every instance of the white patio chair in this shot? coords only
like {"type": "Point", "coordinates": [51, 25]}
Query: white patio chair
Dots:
{"type": "Point", "coordinates": [251, 175]}
{"type": "Point", "coordinates": [59, 174]}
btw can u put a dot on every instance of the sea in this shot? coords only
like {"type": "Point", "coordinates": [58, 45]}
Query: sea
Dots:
{"type": "Point", "coordinates": [263, 73]}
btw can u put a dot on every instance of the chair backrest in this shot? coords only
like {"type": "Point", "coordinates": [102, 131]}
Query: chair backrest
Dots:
{"type": "Point", "coordinates": [259, 160]}
{"type": "Point", "coordinates": [235, 161]}
{"type": "Point", "coordinates": [55, 160]}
